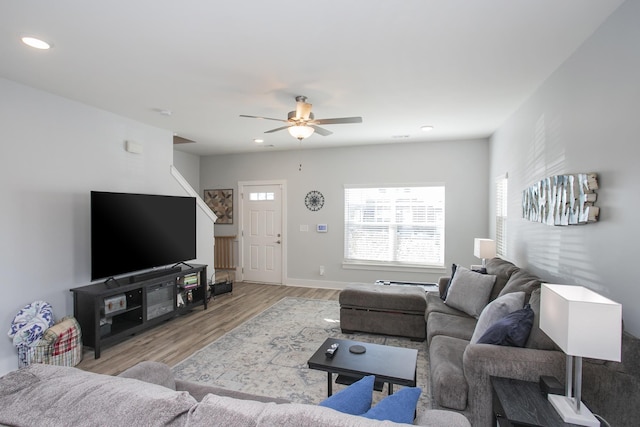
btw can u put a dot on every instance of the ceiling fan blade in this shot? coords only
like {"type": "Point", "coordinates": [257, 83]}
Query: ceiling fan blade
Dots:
{"type": "Point", "coordinates": [277, 129]}
{"type": "Point", "coordinates": [321, 131]}
{"type": "Point", "coordinates": [338, 121]}
{"type": "Point", "coordinates": [265, 118]}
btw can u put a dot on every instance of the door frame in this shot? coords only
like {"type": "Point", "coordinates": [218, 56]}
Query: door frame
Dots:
{"type": "Point", "coordinates": [283, 208]}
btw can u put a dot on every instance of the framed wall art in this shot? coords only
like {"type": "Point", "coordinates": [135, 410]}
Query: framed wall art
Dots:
{"type": "Point", "coordinates": [221, 203]}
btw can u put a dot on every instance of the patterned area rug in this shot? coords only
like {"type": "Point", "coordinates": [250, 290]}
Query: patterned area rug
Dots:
{"type": "Point", "coordinates": [268, 354]}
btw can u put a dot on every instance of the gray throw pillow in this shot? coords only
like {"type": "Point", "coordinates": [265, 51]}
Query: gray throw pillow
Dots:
{"type": "Point", "coordinates": [496, 310]}
{"type": "Point", "coordinates": [469, 291]}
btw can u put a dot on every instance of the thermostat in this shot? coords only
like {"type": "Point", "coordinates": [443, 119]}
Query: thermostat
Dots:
{"type": "Point", "coordinates": [321, 228]}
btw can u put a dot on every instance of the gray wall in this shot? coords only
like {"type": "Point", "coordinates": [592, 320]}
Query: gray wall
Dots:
{"type": "Point", "coordinates": [585, 118]}
{"type": "Point", "coordinates": [189, 167]}
{"type": "Point", "coordinates": [54, 152]}
{"type": "Point", "coordinates": [461, 165]}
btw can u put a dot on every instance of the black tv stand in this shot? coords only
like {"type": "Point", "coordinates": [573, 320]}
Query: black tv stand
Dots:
{"type": "Point", "coordinates": [153, 274]}
{"type": "Point", "coordinates": [109, 314]}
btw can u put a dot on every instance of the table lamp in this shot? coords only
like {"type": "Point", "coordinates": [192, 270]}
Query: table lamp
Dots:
{"type": "Point", "coordinates": [485, 249]}
{"type": "Point", "coordinates": [583, 324]}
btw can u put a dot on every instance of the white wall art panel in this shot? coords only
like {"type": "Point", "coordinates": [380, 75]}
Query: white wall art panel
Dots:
{"type": "Point", "coordinates": [562, 200]}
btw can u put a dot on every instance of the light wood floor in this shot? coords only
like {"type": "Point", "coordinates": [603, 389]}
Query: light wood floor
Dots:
{"type": "Point", "coordinates": [178, 338]}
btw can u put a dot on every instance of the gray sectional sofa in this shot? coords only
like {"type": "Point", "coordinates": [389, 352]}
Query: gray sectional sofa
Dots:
{"type": "Point", "coordinates": [461, 370]}
{"type": "Point", "coordinates": [148, 395]}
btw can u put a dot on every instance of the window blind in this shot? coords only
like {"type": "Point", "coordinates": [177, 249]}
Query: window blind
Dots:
{"type": "Point", "coordinates": [501, 216]}
{"type": "Point", "coordinates": [395, 225]}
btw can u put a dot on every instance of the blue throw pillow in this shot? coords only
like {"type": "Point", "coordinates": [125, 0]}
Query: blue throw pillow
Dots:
{"type": "Point", "coordinates": [512, 330]}
{"type": "Point", "coordinates": [355, 399]}
{"type": "Point", "coordinates": [400, 407]}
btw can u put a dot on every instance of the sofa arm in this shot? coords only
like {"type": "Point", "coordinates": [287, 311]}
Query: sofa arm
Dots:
{"type": "Point", "coordinates": [482, 361]}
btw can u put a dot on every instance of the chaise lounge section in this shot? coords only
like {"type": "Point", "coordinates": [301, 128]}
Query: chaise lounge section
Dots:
{"type": "Point", "coordinates": [388, 310]}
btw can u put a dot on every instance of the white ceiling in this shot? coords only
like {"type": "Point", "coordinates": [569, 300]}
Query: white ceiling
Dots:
{"type": "Point", "coordinates": [462, 66]}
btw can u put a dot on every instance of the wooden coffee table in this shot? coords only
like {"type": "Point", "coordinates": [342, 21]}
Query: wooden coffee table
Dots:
{"type": "Point", "coordinates": [393, 365]}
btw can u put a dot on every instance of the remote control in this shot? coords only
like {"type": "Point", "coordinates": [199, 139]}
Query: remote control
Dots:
{"type": "Point", "coordinates": [331, 350]}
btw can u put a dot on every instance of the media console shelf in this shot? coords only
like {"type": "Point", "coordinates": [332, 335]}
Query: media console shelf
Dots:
{"type": "Point", "coordinates": [108, 314]}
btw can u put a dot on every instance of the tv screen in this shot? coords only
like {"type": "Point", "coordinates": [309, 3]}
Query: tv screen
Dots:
{"type": "Point", "coordinates": [133, 232]}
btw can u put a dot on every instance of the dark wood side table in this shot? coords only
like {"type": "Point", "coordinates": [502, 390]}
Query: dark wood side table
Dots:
{"type": "Point", "coordinates": [521, 403]}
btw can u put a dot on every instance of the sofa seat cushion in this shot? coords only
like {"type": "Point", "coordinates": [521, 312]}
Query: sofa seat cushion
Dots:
{"type": "Point", "coordinates": [449, 386]}
{"type": "Point", "coordinates": [453, 326]}
{"type": "Point", "coordinates": [60, 395]}
{"type": "Point", "coordinates": [404, 299]}
{"type": "Point", "coordinates": [437, 305]}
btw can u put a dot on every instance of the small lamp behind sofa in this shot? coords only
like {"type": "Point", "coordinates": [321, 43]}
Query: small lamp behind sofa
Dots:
{"type": "Point", "coordinates": [484, 249]}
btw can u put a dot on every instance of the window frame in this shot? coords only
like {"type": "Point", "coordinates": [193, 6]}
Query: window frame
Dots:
{"type": "Point", "coordinates": [391, 265]}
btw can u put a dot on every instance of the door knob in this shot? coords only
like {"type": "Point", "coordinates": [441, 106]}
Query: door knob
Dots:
{"type": "Point", "coordinates": [278, 241]}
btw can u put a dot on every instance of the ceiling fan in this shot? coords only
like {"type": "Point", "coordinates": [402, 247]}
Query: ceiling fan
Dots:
{"type": "Point", "coordinates": [302, 124]}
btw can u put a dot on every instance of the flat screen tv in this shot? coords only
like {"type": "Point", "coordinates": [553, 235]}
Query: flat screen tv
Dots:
{"type": "Point", "coordinates": [135, 232]}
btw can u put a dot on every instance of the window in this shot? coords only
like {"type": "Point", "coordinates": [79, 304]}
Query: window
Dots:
{"type": "Point", "coordinates": [400, 226]}
{"type": "Point", "coordinates": [501, 216]}
{"type": "Point", "coordinates": [259, 197]}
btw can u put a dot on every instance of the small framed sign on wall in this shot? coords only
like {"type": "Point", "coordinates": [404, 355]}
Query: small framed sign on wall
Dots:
{"type": "Point", "coordinates": [221, 203]}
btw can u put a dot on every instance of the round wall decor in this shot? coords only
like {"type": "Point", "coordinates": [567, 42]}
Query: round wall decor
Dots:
{"type": "Point", "coordinates": [314, 200]}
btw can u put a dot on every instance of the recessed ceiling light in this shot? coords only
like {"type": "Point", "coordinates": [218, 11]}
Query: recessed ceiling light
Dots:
{"type": "Point", "coordinates": [36, 43]}
{"type": "Point", "coordinates": [258, 140]}
{"type": "Point", "coordinates": [426, 128]}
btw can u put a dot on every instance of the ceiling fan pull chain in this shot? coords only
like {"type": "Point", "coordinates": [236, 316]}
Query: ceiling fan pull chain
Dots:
{"type": "Point", "coordinates": [300, 148]}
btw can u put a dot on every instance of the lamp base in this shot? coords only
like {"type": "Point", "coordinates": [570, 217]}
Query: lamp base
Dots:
{"type": "Point", "coordinates": [566, 408]}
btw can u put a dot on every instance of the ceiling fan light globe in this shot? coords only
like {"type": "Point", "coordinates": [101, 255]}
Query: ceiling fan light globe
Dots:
{"type": "Point", "coordinates": [300, 132]}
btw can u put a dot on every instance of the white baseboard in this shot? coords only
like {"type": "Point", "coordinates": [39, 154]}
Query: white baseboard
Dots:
{"type": "Point", "coordinates": [322, 284]}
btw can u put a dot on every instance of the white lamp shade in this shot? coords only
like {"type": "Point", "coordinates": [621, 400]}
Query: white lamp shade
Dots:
{"type": "Point", "coordinates": [301, 132]}
{"type": "Point", "coordinates": [484, 248]}
{"type": "Point", "coordinates": [581, 322]}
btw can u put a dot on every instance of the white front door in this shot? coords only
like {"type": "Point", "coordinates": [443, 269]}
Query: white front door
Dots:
{"type": "Point", "coordinates": [262, 240]}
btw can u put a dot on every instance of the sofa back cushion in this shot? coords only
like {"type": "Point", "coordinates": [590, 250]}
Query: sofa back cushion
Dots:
{"type": "Point", "coordinates": [60, 395]}
{"type": "Point", "coordinates": [226, 411]}
{"type": "Point", "coordinates": [502, 270]}
{"type": "Point", "coordinates": [521, 281]}
{"type": "Point", "coordinates": [537, 338]}
{"type": "Point", "coordinates": [151, 372]}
